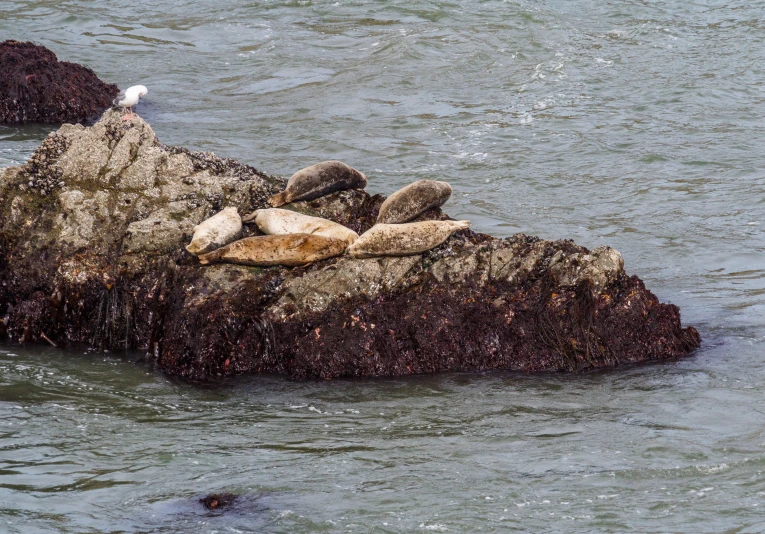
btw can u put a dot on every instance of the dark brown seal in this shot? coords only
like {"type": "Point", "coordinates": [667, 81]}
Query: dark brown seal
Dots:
{"type": "Point", "coordinates": [412, 200]}
{"type": "Point", "coordinates": [319, 180]}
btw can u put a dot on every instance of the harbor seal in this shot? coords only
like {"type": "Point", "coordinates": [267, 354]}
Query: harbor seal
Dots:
{"type": "Point", "coordinates": [319, 180]}
{"type": "Point", "coordinates": [275, 221]}
{"type": "Point", "coordinates": [218, 230]}
{"type": "Point", "coordinates": [413, 200]}
{"type": "Point", "coordinates": [404, 239]}
{"type": "Point", "coordinates": [269, 250]}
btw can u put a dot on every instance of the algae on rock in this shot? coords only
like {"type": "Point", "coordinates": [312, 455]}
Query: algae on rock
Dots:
{"type": "Point", "coordinates": [36, 87]}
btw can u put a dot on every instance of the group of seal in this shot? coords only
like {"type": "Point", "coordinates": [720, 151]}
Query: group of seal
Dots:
{"type": "Point", "coordinates": [295, 239]}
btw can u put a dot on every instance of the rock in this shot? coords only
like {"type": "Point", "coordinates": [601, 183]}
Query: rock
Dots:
{"type": "Point", "coordinates": [36, 87]}
{"type": "Point", "coordinates": [92, 231]}
{"type": "Point", "coordinates": [216, 501]}
{"type": "Point", "coordinates": [156, 234]}
{"type": "Point", "coordinates": [317, 290]}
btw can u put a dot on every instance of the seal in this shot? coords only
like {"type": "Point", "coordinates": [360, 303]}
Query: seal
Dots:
{"type": "Point", "coordinates": [413, 200]}
{"type": "Point", "coordinates": [275, 221]}
{"type": "Point", "coordinates": [220, 229]}
{"type": "Point", "coordinates": [319, 180]}
{"type": "Point", "coordinates": [404, 239]}
{"type": "Point", "coordinates": [269, 250]}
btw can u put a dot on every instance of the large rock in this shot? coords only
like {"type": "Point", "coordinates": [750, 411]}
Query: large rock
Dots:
{"type": "Point", "coordinates": [92, 231]}
{"type": "Point", "coordinates": [36, 87]}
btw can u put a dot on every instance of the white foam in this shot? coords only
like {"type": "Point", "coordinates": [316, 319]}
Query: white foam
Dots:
{"type": "Point", "coordinates": [436, 527]}
{"type": "Point", "coordinates": [709, 469]}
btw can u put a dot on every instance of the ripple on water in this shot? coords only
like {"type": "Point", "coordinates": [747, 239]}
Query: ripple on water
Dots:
{"type": "Point", "coordinates": [630, 124]}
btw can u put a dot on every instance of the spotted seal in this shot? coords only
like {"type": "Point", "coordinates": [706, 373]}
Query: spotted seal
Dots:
{"type": "Point", "coordinates": [319, 180]}
{"type": "Point", "coordinates": [413, 200]}
{"type": "Point", "coordinates": [269, 250]}
{"type": "Point", "coordinates": [404, 239]}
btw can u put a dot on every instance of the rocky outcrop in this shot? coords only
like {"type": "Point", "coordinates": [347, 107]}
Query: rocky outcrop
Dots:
{"type": "Point", "coordinates": [92, 231]}
{"type": "Point", "coordinates": [36, 87]}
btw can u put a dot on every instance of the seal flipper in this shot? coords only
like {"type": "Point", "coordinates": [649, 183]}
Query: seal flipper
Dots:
{"type": "Point", "coordinates": [280, 199]}
{"type": "Point", "coordinates": [211, 257]}
{"type": "Point", "coordinates": [298, 242]}
{"type": "Point", "coordinates": [251, 217]}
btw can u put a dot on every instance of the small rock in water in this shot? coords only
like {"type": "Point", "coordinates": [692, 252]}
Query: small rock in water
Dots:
{"type": "Point", "coordinates": [216, 501]}
{"type": "Point", "coordinates": [37, 87]}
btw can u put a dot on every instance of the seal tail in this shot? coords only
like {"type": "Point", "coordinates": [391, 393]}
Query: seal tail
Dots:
{"type": "Point", "coordinates": [250, 218]}
{"type": "Point", "coordinates": [461, 225]}
{"type": "Point", "coordinates": [280, 199]}
{"type": "Point", "coordinates": [211, 257]}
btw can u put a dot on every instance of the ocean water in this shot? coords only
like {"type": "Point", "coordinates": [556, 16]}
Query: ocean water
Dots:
{"type": "Point", "coordinates": [628, 123]}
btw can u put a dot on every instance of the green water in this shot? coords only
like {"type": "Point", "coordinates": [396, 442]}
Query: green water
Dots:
{"type": "Point", "coordinates": [633, 124]}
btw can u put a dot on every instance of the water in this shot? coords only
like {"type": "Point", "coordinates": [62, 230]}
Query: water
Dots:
{"type": "Point", "coordinates": [627, 123]}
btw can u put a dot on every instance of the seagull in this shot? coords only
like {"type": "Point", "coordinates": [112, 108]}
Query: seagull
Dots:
{"type": "Point", "coordinates": [129, 98]}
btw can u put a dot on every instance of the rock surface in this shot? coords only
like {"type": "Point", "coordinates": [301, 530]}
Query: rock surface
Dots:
{"type": "Point", "coordinates": [36, 87]}
{"type": "Point", "coordinates": [92, 231]}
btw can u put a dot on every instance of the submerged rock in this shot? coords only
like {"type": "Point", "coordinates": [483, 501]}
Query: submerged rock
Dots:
{"type": "Point", "coordinates": [92, 231]}
{"type": "Point", "coordinates": [36, 87]}
{"type": "Point", "coordinates": [216, 501]}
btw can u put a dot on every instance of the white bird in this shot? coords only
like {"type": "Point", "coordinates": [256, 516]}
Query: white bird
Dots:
{"type": "Point", "coordinates": [129, 98]}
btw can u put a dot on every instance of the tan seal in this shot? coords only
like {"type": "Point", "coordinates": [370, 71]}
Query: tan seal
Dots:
{"type": "Point", "coordinates": [319, 180]}
{"type": "Point", "coordinates": [275, 221]}
{"type": "Point", "coordinates": [413, 200]}
{"type": "Point", "coordinates": [268, 250]}
{"type": "Point", "coordinates": [220, 229]}
{"type": "Point", "coordinates": [404, 239]}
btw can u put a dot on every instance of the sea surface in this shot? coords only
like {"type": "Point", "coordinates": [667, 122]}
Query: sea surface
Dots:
{"type": "Point", "coordinates": [635, 124]}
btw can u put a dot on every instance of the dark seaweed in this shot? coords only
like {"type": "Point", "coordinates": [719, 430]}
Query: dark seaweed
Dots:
{"type": "Point", "coordinates": [36, 87]}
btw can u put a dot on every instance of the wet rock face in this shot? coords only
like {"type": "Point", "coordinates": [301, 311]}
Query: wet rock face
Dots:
{"type": "Point", "coordinates": [92, 232]}
{"type": "Point", "coordinates": [36, 87]}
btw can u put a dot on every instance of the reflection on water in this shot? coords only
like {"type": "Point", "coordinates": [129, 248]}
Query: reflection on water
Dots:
{"type": "Point", "coordinates": [623, 123]}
